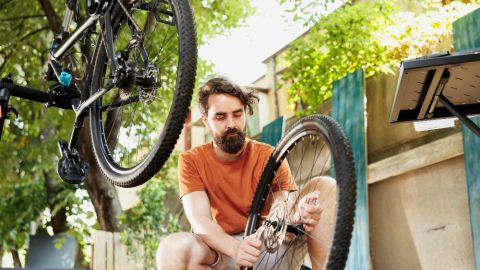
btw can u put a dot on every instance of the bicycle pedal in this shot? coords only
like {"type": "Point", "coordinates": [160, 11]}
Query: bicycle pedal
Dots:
{"type": "Point", "coordinates": [70, 167]}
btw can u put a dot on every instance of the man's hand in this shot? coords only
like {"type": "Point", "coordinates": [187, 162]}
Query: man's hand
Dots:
{"type": "Point", "coordinates": [248, 251]}
{"type": "Point", "coordinates": [308, 211]}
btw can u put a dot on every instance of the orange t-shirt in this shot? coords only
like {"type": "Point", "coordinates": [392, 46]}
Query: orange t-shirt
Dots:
{"type": "Point", "coordinates": [230, 186]}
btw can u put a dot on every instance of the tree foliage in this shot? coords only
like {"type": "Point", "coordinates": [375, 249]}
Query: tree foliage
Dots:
{"type": "Point", "coordinates": [214, 17]}
{"type": "Point", "coordinates": [17, 215]}
{"type": "Point", "coordinates": [374, 36]}
{"type": "Point", "coordinates": [157, 214]}
{"type": "Point", "coordinates": [310, 12]}
{"type": "Point", "coordinates": [337, 45]}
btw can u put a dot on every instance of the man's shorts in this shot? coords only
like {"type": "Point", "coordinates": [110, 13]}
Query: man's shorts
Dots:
{"type": "Point", "coordinates": [269, 260]}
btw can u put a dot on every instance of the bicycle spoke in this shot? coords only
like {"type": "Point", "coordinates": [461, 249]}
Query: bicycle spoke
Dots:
{"type": "Point", "coordinates": [115, 104]}
{"type": "Point", "coordinates": [113, 124]}
{"type": "Point", "coordinates": [309, 176]}
{"type": "Point", "coordinates": [307, 163]}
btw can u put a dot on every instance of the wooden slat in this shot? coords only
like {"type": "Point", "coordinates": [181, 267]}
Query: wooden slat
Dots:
{"type": "Point", "coordinates": [425, 155]}
{"type": "Point", "coordinates": [466, 37]}
{"type": "Point", "coordinates": [110, 252]}
{"type": "Point", "coordinates": [121, 262]}
{"type": "Point", "coordinates": [99, 250]}
{"type": "Point", "coordinates": [471, 144]}
{"type": "Point", "coordinates": [273, 132]}
{"type": "Point", "coordinates": [348, 108]}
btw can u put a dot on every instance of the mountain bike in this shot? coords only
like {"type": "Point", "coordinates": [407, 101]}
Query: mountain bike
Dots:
{"type": "Point", "coordinates": [137, 89]}
{"type": "Point", "coordinates": [320, 159]}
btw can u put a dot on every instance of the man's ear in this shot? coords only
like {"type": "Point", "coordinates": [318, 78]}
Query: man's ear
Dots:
{"type": "Point", "coordinates": [204, 120]}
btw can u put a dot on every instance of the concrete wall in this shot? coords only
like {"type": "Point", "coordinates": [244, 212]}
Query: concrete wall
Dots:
{"type": "Point", "coordinates": [419, 220]}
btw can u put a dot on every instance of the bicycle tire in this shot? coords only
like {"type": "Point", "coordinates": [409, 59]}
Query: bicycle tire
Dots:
{"type": "Point", "coordinates": [161, 143]}
{"type": "Point", "coordinates": [329, 131]}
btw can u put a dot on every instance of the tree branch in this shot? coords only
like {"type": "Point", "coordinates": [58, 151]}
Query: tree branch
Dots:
{"type": "Point", "coordinates": [33, 33]}
{"type": "Point", "coordinates": [51, 15]}
{"type": "Point", "coordinates": [21, 18]}
{"type": "Point", "coordinates": [5, 60]}
{"type": "Point", "coordinates": [16, 259]}
{"type": "Point", "coordinates": [4, 3]}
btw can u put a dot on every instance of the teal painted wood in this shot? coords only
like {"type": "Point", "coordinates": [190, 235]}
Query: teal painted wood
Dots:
{"type": "Point", "coordinates": [273, 131]}
{"type": "Point", "coordinates": [466, 32]}
{"type": "Point", "coordinates": [466, 37]}
{"type": "Point", "coordinates": [348, 108]}
{"type": "Point", "coordinates": [471, 147]}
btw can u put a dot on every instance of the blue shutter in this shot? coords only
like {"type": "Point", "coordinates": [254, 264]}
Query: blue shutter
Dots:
{"type": "Point", "coordinates": [273, 132]}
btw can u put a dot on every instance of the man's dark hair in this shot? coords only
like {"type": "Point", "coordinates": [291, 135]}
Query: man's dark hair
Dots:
{"type": "Point", "coordinates": [221, 85]}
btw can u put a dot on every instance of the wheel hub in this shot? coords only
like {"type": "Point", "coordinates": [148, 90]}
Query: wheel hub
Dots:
{"type": "Point", "coordinates": [272, 231]}
{"type": "Point", "coordinates": [129, 77]}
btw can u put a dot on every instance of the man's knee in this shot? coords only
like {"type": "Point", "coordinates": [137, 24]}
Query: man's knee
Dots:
{"type": "Point", "coordinates": [180, 243]}
{"type": "Point", "coordinates": [324, 184]}
{"type": "Point", "coordinates": [184, 248]}
{"type": "Point", "coordinates": [323, 180]}
{"type": "Point", "coordinates": [173, 250]}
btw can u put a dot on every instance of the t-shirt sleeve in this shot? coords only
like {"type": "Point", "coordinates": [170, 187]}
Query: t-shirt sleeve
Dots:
{"type": "Point", "coordinates": [189, 179]}
{"type": "Point", "coordinates": [284, 175]}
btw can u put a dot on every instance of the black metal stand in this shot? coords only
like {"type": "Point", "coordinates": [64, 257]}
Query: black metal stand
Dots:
{"type": "Point", "coordinates": [465, 120]}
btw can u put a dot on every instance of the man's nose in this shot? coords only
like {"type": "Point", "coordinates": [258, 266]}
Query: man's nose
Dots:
{"type": "Point", "coordinates": [231, 122]}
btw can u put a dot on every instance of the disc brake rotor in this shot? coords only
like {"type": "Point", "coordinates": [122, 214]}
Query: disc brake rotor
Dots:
{"type": "Point", "coordinates": [272, 231]}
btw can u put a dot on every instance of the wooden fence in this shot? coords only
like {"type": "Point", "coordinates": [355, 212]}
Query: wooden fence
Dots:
{"type": "Point", "coordinates": [108, 253]}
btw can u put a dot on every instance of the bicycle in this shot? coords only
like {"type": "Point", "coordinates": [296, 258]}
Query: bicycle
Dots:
{"type": "Point", "coordinates": [316, 149]}
{"type": "Point", "coordinates": [139, 84]}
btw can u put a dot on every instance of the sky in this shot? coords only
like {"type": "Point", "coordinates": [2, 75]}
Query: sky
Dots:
{"type": "Point", "coordinates": [239, 53]}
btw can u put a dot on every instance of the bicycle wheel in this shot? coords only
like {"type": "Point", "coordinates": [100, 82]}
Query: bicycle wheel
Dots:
{"type": "Point", "coordinates": [135, 125]}
{"type": "Point", "coordinates": [320, 160]}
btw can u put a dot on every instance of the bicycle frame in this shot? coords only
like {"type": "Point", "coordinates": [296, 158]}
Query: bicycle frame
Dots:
{"type": "Point", "coordinates": [7, 88]}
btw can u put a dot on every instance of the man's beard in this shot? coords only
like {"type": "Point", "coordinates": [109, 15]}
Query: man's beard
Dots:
{"type": "Point", "coordinates": [231, 144]}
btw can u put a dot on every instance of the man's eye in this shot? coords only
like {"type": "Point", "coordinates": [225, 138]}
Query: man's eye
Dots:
{"type": "Point", "coordinates": [219, 116]}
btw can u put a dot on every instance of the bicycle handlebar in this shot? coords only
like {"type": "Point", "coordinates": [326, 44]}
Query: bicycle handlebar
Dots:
{"type": "Point", "coordinates": [25, 92]}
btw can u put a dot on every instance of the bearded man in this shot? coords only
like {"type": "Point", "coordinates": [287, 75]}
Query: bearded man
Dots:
{"type": "Point", "coordinates": [217, 183]}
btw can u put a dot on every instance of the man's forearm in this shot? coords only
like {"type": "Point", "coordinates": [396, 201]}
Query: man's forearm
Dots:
{"type": "Point", "coordinates": [212, 234]}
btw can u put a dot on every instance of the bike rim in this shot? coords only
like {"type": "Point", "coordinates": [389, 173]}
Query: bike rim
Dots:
{"type": "Point", "coordinates": [131, 117]}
